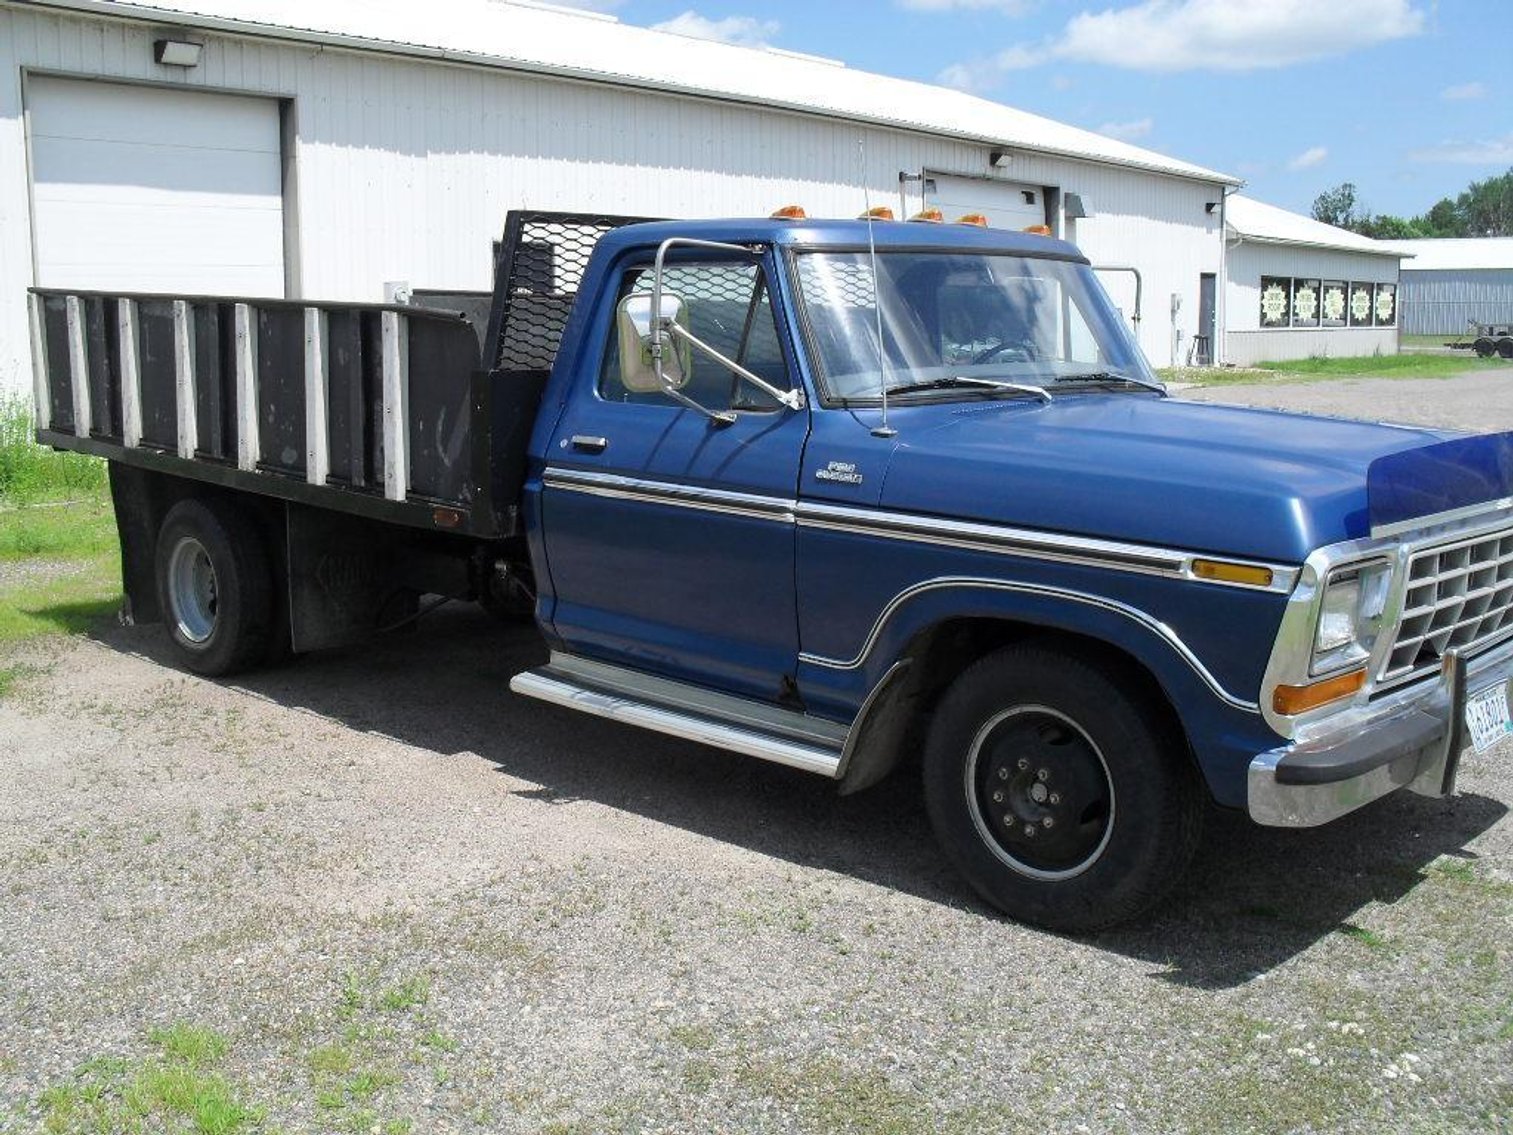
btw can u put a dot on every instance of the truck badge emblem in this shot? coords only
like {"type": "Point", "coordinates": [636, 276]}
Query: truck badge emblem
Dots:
{"type": "Point", "coordinates": [843, 472]}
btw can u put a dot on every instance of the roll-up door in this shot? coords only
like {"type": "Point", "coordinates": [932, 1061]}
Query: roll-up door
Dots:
{"type": "Point", "coordinates": [1006, 204]}
{"type": "Point", "coordinates": [155, 190]}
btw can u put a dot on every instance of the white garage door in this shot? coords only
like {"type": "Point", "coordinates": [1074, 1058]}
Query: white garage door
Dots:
{"type": "Point", "coordinates": [152, 190]}
{"type": "Point", "coordinates": [1007, 205]}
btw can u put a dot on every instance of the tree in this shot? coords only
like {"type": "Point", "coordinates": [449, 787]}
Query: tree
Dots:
{"type": "Point", "coordinates": [1444, 219]}
{"type": "Point", "coordinates": [1384, 227]}
{"type": "Point", "coordinates": [1336, 206]}
{"type": "Point", "coordinates": [1488, 206]}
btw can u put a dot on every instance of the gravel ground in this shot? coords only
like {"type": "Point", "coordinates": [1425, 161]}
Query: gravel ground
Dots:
{"type": "Point", "coordinates": [409, 901]}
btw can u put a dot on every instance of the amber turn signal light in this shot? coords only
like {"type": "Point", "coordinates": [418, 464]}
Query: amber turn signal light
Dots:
{"type": "Point", "coordinates": [1224, 572]}
{"type": "Point", "coordinates": [1300, 699]}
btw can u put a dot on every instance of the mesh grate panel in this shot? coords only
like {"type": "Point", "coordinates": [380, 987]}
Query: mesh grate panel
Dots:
{"type": "Point", "coordinates": [541, 264]}
{"type": "Point", "coordinates": [1459, 595]}
{"type": "Point", "coordinates": [833, 281]}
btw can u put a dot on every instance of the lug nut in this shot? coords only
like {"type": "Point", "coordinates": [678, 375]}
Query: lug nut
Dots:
{"type": "Point", "coordinates": [1049, 821]}
{"type": "Point", "coordinates": [998, 797]}
{"type": "Point", "coordinates": [1023, 763]}
{"type": "Point", "coordinates": [1003, 774]}
{"type": "Point", "coordinates": [1010, 819]}
{"type": "Point", "coordinates": [1055, 798]}
{"type": "Point", "coordinates": [1043, 775]}
{"type": "Point", "coordinates": [1029, 831]}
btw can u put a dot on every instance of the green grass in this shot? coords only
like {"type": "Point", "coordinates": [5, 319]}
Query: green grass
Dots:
{"type": "Point", "coordinates": [1327, 369]}
{"type": "Point", "coordinates": [60, 567]}
{"type": "Point", "coordinates": [30, 472]}
{"type": "Point", "coordinates": [178, 1088]}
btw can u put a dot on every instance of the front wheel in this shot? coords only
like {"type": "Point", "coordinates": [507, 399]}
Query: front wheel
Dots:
{"type": "Point", "coordinates": [1058, 790]}
{"type": "Point", "coordinates": [215, 587]}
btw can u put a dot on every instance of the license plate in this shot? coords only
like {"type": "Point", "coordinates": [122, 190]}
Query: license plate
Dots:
{"type": "Point", "coordinates": [1487, 716]}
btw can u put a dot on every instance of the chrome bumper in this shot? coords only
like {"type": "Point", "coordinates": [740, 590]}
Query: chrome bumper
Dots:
{"type": "Point", "coordinates": [1412, 740]}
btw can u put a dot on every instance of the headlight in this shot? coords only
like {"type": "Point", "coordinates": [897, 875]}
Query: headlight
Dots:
{"type": "Point", "coordinates": [1350, 615]}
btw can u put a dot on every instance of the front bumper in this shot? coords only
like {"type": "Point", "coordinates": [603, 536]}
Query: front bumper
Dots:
{"type": "Point", "coordinates": [1412, 740]}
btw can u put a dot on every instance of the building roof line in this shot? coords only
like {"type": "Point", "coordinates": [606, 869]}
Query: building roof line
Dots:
{"type": "Point", "coordinates": [151, 14]}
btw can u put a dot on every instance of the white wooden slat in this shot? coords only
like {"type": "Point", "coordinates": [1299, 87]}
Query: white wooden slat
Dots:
{"type": "Point", "coordinates": [317, 438]}
{"type": "Point", "coordinates": [78, 365]}
{"type": "Point", "coordinates": [42, 405]}
{"type": "Point", "coordinates": [131, 373]}
{"type": "Point", "coordinates": [396, 391]}
{"type": "Point", "coordinates": [247, 448]}
{"type": "Point", "coordinates": [183, 366]}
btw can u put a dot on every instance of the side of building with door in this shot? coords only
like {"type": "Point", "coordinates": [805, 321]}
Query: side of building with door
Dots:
{"type": "Point", "coordinates": [349, 153]}
{"type": "Point", "coordinates": [1296, 288]}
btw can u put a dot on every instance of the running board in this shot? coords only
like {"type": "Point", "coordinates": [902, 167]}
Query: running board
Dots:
{"type": "Point", "coordinates": [815, 754]}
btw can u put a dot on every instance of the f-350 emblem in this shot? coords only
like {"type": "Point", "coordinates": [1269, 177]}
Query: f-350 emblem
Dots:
{"type": "Point", "coordinates": [843, 472]}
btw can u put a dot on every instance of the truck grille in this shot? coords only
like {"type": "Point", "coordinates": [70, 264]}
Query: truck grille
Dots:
{"type": "Point", "coordinates": [1458, 595]}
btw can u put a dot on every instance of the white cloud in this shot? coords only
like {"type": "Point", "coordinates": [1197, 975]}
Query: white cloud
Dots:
{"type": "Point", "coordinates": [743, 31]}
{"type": "Point", "coordinates": [1487, 152]}
{"type": "Point", "coordinates": [1212, 35]}
{"type": "Point", "coordinates": [1309, 158]}
{"type": "Point", "coordinates": [1464, 91]}
{"type": "Point", "coordinates": [1128, 131]}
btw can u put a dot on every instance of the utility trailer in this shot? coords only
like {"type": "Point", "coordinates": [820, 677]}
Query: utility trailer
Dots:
{"type": "Point", "coordinates": [380, 447]}
{"type": "Point", "coordinates": [1486, 339]}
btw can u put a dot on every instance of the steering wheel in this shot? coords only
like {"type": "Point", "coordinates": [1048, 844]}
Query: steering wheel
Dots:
{"type": "Point", "coordinates": [1024, 351]}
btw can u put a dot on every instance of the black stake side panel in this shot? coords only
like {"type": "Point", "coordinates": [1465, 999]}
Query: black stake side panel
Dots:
{"type": "Point", "coordinates": [102, 353]}
{"type": "Point", "coordinates": [215, 382]}
{"type": "Point", "coordinates": [281, 389]}
{"type": "Point", "coordinates": [353, 387]}
{"type": "Point", "coordinates": [60, 387]}
{"type": "Point", "coordinates": [440, 419]}
{"type": "Point", "coordinates": [157, 374]}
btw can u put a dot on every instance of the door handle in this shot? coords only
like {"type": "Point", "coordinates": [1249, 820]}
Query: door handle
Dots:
{"type": "Point", "coordinates": [587, 444]}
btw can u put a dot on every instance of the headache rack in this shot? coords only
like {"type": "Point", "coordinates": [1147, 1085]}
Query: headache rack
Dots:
{"type": "Point", "coordinates": [400, 412]}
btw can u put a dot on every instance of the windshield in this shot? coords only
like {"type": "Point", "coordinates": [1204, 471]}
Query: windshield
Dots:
{"type": "Point", "coordinates": [953, 320]}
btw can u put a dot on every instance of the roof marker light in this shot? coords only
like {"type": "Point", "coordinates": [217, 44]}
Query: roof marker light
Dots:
{"type": "Point", "coordinates": [928, 217]}
{"type": "Point", "coordinates": [1038, 230]}
{"type": "Point", "coordinates": [790, 213]}
{"type": "Point", "coordinates": [877, 213]}
{"type": "Point", "coordinates": [977, 219]}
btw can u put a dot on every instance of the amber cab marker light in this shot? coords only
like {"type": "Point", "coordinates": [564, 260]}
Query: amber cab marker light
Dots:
{"type": "Point", "coordinates": [877, 213]}
{"type": "Point", "coordinates": [928, 217]}
{"type": "Point", "coordinates": [1223, 572]}
{"type": "Point", "coordinates": [973, 219]}
{"type": "Point", "coordinates": [790, 213]}
{"type": "Point", "coordinates": [1300, 699]}
{"type": "Point", "coordinates": [1038, 230]}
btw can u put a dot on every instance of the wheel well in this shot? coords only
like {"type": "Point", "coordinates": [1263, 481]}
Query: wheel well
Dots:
{"type": "Point", "coordinates": [941, 652]}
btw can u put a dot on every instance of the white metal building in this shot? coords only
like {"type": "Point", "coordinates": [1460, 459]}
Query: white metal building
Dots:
{"type": "Point", "coordinates": [1298, 288]}
{"type": "Point", "coordinates": [319, 148]}
{"type": "Point", "coordinates": [1449, 283]}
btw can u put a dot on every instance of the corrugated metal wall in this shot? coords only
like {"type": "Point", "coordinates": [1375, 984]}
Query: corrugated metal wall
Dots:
{"type": "Point", "coordinates": [1441, 302]}
{"type": "Point", "coordinates": [1246, 342]}
{"type": "Point", "coordinates": [404, 169]}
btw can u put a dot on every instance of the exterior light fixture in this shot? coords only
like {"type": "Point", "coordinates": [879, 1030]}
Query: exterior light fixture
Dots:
{"type": "Point", "coordinates": [1076, 207]}
{"type": "Point", "coordinates": [1000, 159]}
{"type": "Point", "coordinates": [176, 53]}
{"type": "Point", "coordinates": [1209, 207]}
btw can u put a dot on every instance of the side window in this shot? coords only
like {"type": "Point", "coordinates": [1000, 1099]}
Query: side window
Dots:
{"type": "Point", "coordinates": [730, 309]}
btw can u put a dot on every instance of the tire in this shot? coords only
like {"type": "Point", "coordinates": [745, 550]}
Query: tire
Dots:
{"type": "Point", "coordinates": [1505, 348]}
{"type": "Point", "coordinates": [1484, 347]}
{"type": "Point", "coordinates": [215, 588]}
{"type": "Point", "coordinates": [1058, 791]}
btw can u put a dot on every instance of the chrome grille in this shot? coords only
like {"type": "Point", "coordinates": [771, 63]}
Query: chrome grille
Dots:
{"type": "Point", "coordinates": [1458, 595]}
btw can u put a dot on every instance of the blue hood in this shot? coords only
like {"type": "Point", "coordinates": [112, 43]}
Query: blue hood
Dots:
{"type": "Point", "coordinates": [1222, 479]}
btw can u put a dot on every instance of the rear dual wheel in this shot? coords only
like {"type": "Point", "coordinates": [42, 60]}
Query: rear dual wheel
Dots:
{"type": "Point", "coordinates": [215, 587]}
{"type": "Point", "coordinates": [1059, 790]}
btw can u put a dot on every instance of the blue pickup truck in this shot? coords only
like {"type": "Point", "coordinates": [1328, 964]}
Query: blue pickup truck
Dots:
{"type": "Point", "coordinates": [843, 495]}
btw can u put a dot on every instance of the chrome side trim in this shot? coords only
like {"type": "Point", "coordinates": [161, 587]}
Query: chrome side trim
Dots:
{"type": "Point", "coordinates": [1134, 614]}
{"type": "Point", "coordinates": [1023, 543]}
{"type": "Point", "coordinates": [1449, 516]}
{"type": "Point", "coordinates": [721, 735]}
{"type": "Point", "coordinates": [677, 695]}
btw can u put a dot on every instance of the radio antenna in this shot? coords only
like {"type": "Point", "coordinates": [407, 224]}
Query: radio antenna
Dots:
{"type": "Point", "coordinates": [883, 429]}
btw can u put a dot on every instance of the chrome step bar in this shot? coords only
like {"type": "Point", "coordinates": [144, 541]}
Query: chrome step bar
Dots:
{"type": "Point", "coordinates": [785, 737]}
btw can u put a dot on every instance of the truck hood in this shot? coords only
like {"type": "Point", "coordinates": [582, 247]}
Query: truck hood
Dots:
{"type": "Point", "coordinates": [1256, 483]}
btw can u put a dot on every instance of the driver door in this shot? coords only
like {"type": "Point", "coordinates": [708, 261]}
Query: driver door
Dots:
{"type": "Point", "coordinates": [670, 537]}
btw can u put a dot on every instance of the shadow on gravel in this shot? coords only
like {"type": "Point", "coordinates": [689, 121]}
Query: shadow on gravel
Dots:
{"type": "Point", "coordinates": [1255, 897]}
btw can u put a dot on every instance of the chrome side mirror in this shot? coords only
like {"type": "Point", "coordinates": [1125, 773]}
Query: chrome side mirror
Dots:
{"type": "Point", "coordinates": [638, 370]}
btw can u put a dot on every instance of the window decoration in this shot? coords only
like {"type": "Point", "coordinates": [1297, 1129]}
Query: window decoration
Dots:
{"type": "Point", "coordinates": [1361, 301]}
{"type": "Point", "coordinates": [1276, 298]}
{"type": "Point", "coordinates": [1305, 303]}
{"type": "Point", "coordinates": [1384, 314]}
{"type": "Point", "coordinates": [1334, 303]}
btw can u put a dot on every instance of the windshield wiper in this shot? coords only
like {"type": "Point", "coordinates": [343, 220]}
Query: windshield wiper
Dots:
{"type": "Point", "coordinates": [1113, 376]}
{"type": "Point", "coordinates": [956, 381]}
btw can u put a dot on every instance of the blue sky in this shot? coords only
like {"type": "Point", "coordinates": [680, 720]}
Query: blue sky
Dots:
{"type": "Point", "coordinates": [1409, 99]}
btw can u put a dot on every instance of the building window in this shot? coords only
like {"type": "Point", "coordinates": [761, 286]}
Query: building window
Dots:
{"type": "Point", "coordinates": [1276, 299]}
{"type": "Point", "coordinates": [1305, 303]}
{"type": "Point", "coordinates": [1334, 303]}
{"type": "Point", "coordinates": [1384, 314]}
{"type": "Point", "coordinates": [1361, 301]}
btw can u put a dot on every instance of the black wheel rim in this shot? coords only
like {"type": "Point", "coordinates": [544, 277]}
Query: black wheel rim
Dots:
{"type": "Point", "coordinates": [1039, 792]}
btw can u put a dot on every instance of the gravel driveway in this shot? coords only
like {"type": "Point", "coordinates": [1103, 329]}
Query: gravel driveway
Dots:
{"type": "Point", "coordinates": [404, 900]}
